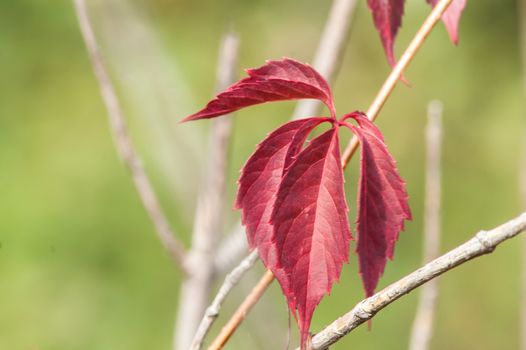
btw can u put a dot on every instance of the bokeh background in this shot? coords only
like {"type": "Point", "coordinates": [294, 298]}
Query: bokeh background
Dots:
{"type": "Point", "coordinates": [80, 265]}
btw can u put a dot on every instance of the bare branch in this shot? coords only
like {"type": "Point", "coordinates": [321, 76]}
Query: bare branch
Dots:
{"type": "Point", "coordinates": [398, 70]}
{"type": "Point", "coordinates": [231, 248]}
{"type": "Point", "coordinates": [423, 323]}
{"type": "Point", "coordinates": [484, 242]}
{"type": "Point", "coordinates": [231, 280]}
{"type": "Point", "coordinates": [124, 142]}
{"type": "Point", "coordinates": [195, 291]}
{"type": "Point", "coordinates": [330, 51]}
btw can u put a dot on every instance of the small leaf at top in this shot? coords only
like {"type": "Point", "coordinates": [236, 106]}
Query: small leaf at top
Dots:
{"type": "Point", "coordinates": [382, 202]}
{"type": "Point", "coordinates": [285, 79]}
{"type": "Point", "coordinates": [387, 16]}
{"type": "Point", "coordinates": [451, 17]}
{"type": "Point", "coordinates": [259, 183]}
{"type": "Point", "coordinates": [311, 228]}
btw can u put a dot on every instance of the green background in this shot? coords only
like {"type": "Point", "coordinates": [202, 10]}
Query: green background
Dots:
{"type": "Point", "coordinates": [80, 265]}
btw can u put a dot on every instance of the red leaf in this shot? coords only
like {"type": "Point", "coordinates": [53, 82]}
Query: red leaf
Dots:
{"type": "Point", "coordinates": [259, 183]}
{"type": "Point", "coordinates": [382, 202]}
{"type": "Point", "coordinates": [311, 228]}
{"type": "Point", "coordinates": [451, 17]}
{"type": "Point", "coordinates": [387, 16]}
{"type": "Point", "coordinates": [285, 79]}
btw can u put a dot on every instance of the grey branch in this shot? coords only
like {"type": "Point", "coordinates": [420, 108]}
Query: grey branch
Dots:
{"type": "Point", "coordinates": [124, 142]}
{"type": "Point", "coordinates": [195, 291]}
{"type": "Point", "coordinates": [484, 242]}
{"type": "Point", "coordinates": [330, 51]}
{"type": "Point", "coordinates": [522, 172]}
{"type": "Point", "coordinates": [423, 324]}
{"type": "Point", "coordinates": [231, 248]}
{"type": "Point", "coordinates": [212, 312]}
{"type": "Point", "coordinates": [327, 61]}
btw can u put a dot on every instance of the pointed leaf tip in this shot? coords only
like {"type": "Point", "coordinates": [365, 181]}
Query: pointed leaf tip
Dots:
{"type": "Point", "coordinates": [311, 228]}
{"type": "Point", "coordinates": [382, 203]}
{"type": "Point", "coordinates": [387, 17]}
{"type": "Point", "coordinates": [451, 17]}
{"type": "Point", "coordinates": [279, 80]}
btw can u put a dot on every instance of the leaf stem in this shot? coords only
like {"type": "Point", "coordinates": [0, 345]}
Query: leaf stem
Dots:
{"type": "Point", "coordinates": [398, 70]}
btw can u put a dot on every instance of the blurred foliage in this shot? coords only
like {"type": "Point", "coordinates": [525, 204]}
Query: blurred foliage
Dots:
{"type": "Point", "coordinates": [80, 266]}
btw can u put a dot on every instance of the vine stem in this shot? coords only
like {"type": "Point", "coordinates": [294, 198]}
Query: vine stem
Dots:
{"type": "Point", "coordinates": [372, 113]}
{"type": "Point", "coordinates": [397, 72]}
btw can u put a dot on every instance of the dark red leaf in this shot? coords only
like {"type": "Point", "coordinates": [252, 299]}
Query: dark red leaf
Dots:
{"type": "Point", "coordinates": [451, 17]}
{"type": "Point", "coordinates": [387, 16]}
{"type": "Point", "coordinates": [259, 183]}
{"type": "Point", "coordinates": [311, 228]}
{"type": "Point", "coordinates": [285, 79]}
{"type": "Point", "coordinates": [382, 203]}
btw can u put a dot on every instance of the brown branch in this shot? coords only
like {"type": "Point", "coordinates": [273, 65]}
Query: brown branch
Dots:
{"type": "Point", "coordinates": [373, 111]}
{"type": "Point", "coordinates": [423, 324]}
{"type": "Point", "coordinates": [398, 70]}
{"type": "Point", "coordinates": [484, 242]}
{"type": "Point", "coordinates": [123, 141]}
{"type": "Point", "coordinates": [195, 290]}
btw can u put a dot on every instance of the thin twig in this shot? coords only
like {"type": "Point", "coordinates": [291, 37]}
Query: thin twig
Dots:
{"type": "Point", "coordinates": [195, 290]}
{"type": "Point", "coordinates": [423, 324]}
{"type": "Point", "coordinates": [123, 141]}
{"type": "Point", "coordinates": [378, 102]}
{"type": "Point", "coordinates": [398, 70]}
{"type": "Point", "coordinates": [212, 312]}
{"type": "Point", "coordinates": [484, 242]}
{"type": "Point", "coordinates": [232, 247]}
{"type": "Point", "coordinates": [330, 51]}
{"type": "Point", "coordinates": [241, 312]}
